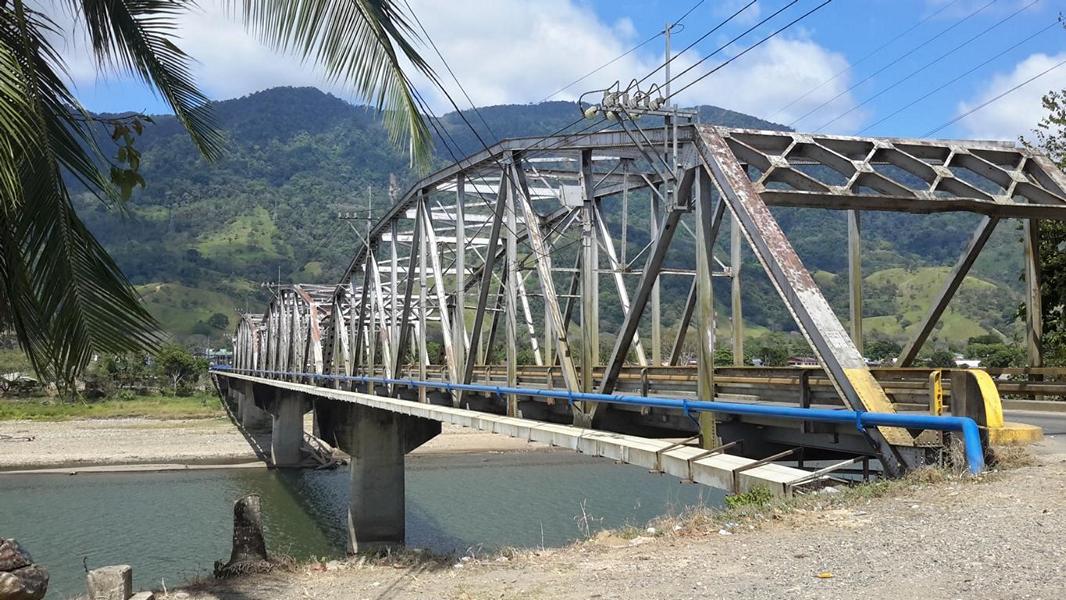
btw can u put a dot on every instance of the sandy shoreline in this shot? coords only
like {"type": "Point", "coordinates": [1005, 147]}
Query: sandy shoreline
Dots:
{"type": "Point", "coordinates": [99, 445]}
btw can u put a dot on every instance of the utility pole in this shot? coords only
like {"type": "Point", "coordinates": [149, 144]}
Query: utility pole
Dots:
{"type": "Point", "coordinates": [666, 35]}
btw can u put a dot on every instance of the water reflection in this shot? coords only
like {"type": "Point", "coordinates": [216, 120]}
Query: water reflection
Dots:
{"type": "Point", "coordinates": [173, 525]}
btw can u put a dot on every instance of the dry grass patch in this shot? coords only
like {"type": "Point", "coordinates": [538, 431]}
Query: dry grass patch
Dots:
{"type": "Point", "coordinates": [1011, 457]}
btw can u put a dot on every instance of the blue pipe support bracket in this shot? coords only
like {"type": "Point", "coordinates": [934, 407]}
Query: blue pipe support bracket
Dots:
{"type": "Point", "coordinates": [971, 435]}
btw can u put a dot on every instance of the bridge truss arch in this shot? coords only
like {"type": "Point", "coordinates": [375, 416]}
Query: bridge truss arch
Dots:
{"type": "Point", "coordinates": [510, 265]}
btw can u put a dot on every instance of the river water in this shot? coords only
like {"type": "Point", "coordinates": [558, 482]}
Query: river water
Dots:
{"type": "Point", "coordinates": [172, 526]}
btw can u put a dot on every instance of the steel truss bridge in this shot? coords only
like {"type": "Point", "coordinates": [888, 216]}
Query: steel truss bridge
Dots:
{"type": "Point", "coordinates": [485, 283]}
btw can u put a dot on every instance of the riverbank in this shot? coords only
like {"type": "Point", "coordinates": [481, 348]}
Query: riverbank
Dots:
{"type": "Point", "coordinates": [130, 444]}
{"type": "Point", "coordinates": [154, 406]}
{"type": "Point", "coordinates": [997, 536]}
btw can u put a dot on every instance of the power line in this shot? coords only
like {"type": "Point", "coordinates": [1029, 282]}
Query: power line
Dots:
{"type": "Point", "coordinates": [994, 99]}
{"type": "Point", "coordinates": [602, 67]}
{"type": "Point", "coordinates": [893, 62]}
{"type": "Point", "coordinates": [750, 48]}
{"type": "Point", "coordinates": [861, 60]}
{"type": "Point", "coordinates": [626, 53]}
{"type": "Point", "coordinates": [449, 68]}
{"type": "Point", "coordinates": [720, 48]}
{"type": "Point", "coordinates": [948, 83]}
{"type": "Point", "coordinates": [670, 59]}
{"type": "Point", "coordinates": [925, 66]}
{"type": "Point", "coordinates": [442, 131]}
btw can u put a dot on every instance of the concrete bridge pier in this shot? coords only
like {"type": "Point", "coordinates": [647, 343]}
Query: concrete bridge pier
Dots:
{"type": "Point", "coordinates": [287, 435]}
{"type": "Point", "coordinates": [377, 442]}
{"type": "Point", "coordinates": [252, 417]}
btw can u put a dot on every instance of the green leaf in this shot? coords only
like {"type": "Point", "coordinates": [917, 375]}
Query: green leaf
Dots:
{"type": "Point", "coordinates": [133, 36]}
{"type": "Point", "coordinates": [59, 290]}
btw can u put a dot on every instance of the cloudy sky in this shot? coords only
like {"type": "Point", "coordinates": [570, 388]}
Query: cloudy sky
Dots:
{"type": "Point", "coordinates": [852, 66]}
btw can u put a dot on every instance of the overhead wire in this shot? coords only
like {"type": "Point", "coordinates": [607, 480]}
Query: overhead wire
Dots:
{"type": "Point", "coordinates": [441, 129]}
{"type": "Point", "coordinates": [946, 84]}
{"type": "Point", "coordinates": [995, 98]}
{"type": "Point", "coordinates": [927, 65]}
{"type": "Point", "coordinates": [481, 117]}
{"type": "Point", "coordinates": [894, 62]}
{"type": "Point", "coordinates": [670, 59]}
{"type": "Point", "coordinates": [748, 49]}
{"type": "Point", "coordinates": [628, 52]}
{"type": "Point", "coordinates": [862, 59]}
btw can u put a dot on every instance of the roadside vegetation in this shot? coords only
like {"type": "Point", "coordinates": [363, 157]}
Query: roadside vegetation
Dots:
{"type": "Point", "coordinates": [171, 384]}
{"type": "Point", "coordinates": [199, 405]}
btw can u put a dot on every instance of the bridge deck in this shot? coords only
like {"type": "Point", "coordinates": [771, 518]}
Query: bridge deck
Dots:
{"type": "Point", "coordinates": [720, 470]}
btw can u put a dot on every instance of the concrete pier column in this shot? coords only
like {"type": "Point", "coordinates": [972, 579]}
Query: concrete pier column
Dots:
{"type": "Point", "coordinates": [287, 436]}
{"type": "Point", "coordinates": [377, 441]}
{"type": "Point", "coordinates": [252, 417]}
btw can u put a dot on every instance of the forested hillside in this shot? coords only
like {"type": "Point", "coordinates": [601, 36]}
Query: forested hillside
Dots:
{"type": "Point", "coordinates": [201, 239]}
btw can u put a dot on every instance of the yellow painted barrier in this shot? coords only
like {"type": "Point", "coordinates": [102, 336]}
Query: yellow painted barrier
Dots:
{"type": "Point", "coordinates": [1000, 432]}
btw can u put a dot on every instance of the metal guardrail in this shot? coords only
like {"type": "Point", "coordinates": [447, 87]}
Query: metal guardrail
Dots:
{"type": "Point", "coordinates": [907, 386]}
{"type": "Point", "coordinates": [974, 450]}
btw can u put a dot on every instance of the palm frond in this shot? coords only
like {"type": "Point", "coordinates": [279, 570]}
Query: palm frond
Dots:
{"type": "Point", "coordinates": [356, 42]}
{"type": "Point", "coordinates": [133, 36]}
{"type": "Point", "coordinates": [61, 292]}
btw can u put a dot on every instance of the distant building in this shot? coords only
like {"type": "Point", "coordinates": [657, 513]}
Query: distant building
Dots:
{"type": "Point", "coordinates": [221, 356]}
{"type": "Point", "coordinates": [802, 361]}
{"type": "Point", "coordinates": [967, 363]}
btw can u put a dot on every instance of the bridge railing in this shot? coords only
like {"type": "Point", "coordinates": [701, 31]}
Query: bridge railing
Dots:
{"type": "Point", "coordinates": [967, 427]}
{"type": "Point", "coordinates": [908, 389]}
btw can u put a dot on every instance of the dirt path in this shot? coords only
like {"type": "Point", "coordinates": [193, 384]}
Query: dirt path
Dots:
{"type": "Point", "coordinates": [1000, 537]}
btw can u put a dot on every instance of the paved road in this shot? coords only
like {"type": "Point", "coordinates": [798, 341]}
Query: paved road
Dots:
{"type": "Point", "coordinates": [1053, 424]}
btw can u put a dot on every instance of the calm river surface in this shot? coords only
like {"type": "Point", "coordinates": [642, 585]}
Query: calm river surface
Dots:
{"type": "Point", "coordinates": [172, 526]}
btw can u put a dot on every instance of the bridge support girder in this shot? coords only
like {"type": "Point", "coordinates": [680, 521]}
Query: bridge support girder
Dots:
{"type": "Point", "coordinates": [287, 436]}
{"type": "Point", "coordinates": [377, 442]}
{"type": "Point", "coordinates": [249, 413]}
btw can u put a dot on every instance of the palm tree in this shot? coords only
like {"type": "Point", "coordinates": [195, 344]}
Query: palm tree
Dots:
{"type": "Point", "coordinates": [60, 292]}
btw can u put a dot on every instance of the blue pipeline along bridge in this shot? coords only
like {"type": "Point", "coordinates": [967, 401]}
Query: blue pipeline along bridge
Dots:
{"type": "Point", "coordinates": [476, 301]}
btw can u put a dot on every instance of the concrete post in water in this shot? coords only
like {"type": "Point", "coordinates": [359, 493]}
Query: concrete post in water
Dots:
{"type": "Point", "coordinates": [287, 436]}
{"type": "Point", "coordinates": [248, 553]}
{"type": "Point", "coordinates": [110, 583]}
{"type": "Point", "coordinates": [377, 440]}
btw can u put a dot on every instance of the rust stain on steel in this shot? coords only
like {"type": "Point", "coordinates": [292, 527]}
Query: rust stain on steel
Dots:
{"type": "Point", "coordinates": [836, 352]}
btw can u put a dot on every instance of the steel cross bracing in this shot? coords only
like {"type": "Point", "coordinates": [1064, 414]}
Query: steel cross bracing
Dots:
{"type": "Point", "coordinates": [522, 255]}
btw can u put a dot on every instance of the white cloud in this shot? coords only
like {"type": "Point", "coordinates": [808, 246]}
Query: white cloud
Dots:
{"type": "Point", "coordinates": [518, 51]}
{"type": "Point", "coordinates": [1016, 113]}
{"type": "Point", "coordinates": [727, 8]}
{"type": "Point", "coordinates": [781, 72]}
{"type": "Point", "coordinates": [954, 9]}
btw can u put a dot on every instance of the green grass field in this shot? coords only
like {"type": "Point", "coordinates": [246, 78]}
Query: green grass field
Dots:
{"type": "Point", "coordinates": [178, 308]}
{"type": "Point", "coordinates": [199, 406]}
{"type": "Point", "coordinates": [247, 240]}
{"type": "Point", "coordinates": [917, 289]}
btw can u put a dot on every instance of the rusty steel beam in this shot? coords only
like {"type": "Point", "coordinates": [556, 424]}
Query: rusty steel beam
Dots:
{"type": "Point", "coordinates": [815, 318]}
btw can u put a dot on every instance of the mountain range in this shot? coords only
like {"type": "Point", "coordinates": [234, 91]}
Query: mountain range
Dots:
{"type": "Point", "coordinates": [203, 239]}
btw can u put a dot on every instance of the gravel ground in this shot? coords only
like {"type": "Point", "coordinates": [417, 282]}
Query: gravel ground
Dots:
{"type": "Point", "coordinates": [1002, 536]}
{"type": "Point", "coordinates": [114, 442]}
{"type": "Point", "coordinates": [36, 445]}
